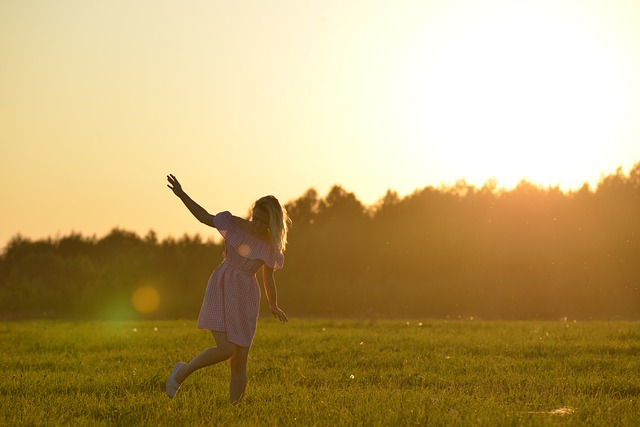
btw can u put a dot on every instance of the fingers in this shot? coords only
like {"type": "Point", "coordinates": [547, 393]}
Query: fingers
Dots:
{"type": "Point", "coordinates": [174, 185]}
{"type": "Point", "coordinates": [279, 314]}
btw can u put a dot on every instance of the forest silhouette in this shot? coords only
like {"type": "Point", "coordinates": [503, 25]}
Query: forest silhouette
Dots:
{"type": "Point", "coordinates": [446, 252]}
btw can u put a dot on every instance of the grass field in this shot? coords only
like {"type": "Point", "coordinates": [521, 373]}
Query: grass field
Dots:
{"type": "Point", "coordinates": [322, 372]}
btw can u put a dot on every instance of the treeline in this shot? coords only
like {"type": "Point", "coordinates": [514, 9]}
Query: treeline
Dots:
{"type": "Point", "coordinates": [454, 251]}
{"type": "Point", "coordinates": [95, 278]}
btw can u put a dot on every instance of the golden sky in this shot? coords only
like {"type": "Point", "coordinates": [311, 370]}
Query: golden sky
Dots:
{"type": "Point", "coordinates": [99, 100]}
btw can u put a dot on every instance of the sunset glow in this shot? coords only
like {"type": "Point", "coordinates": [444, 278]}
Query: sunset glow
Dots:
{"type": "Point", "coordinates": [100, 100]}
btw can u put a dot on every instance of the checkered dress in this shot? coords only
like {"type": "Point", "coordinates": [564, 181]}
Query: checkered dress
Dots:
{"type": "Point", "coordinates": [232, 300]}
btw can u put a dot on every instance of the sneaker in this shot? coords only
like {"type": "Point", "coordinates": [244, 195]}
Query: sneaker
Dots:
{"type": "Point", "coordinates": [172, 384]}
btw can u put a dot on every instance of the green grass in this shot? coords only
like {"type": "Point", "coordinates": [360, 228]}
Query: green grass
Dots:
{"type": "Point", "coordinates": [321, 372]}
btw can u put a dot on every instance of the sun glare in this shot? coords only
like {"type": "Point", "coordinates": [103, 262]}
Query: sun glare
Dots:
{"type": "Point", "coordinates": [520, 94]}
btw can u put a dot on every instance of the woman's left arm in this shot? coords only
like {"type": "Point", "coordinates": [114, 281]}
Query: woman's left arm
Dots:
{"type": "Point", "coordinates": [268, 276]}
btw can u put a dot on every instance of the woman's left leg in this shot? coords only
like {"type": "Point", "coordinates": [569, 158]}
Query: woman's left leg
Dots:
{"type": "Point", "coordinates": [238, 382]}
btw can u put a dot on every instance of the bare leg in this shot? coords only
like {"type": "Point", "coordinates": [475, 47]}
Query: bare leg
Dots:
{"type": "Point", "coordinates": [238, 382]}
{"type": "Point", "coordinates": [223, 351]}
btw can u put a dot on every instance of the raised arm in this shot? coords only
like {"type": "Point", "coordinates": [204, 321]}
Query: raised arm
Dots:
{"type": "Point", "coordinates": [272, 293]}
{"type": "Point", "coordinates": [198, 211]}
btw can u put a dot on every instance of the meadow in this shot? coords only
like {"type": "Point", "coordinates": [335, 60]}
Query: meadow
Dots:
{"type": "Point", "coordinates": [326, 372]}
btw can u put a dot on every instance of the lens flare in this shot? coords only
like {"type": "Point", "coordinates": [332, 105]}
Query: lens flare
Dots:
{"type": "Point", "coordinates": [145, 300]}
{"type": "Point", "coordinates": [244, 250]}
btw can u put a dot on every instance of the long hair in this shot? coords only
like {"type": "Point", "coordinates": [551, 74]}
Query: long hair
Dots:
{"type": "Point", "coordinates": [279, 221]}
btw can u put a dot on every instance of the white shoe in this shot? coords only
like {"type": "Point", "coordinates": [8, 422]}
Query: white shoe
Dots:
{"type": "Point", "coordinates": [172, 384]}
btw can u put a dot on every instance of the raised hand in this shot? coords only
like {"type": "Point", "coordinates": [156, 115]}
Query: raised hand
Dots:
{"type": "Point", "coordinates": [174, 185]}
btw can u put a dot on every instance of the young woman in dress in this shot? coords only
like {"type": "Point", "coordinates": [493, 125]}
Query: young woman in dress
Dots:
{"type": "Point", "coordinates": [232, 299]}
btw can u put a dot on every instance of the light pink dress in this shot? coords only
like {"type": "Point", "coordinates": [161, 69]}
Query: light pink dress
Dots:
{"type": "Point", "coordinates": [232, 300]}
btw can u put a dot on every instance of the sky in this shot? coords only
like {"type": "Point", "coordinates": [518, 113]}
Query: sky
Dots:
{"type": "Point", "coordinates": [100, 100]}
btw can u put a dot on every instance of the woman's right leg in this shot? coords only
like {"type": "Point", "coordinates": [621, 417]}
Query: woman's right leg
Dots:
{"type": "Point", "coordinates": [221, 352]}
{"type": "Point", "coordinates": [238, 382]}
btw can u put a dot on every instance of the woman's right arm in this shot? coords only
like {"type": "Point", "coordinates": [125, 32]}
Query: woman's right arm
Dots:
{"type": "Point", "coordinates": [198, 211]}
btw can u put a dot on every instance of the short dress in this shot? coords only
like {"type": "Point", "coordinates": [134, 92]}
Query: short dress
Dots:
{"type": "Point", "coordinates": [232, 299]}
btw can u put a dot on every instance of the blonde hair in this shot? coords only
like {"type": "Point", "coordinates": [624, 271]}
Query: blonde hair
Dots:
{"type": "Point", "coordinates": [279, 220]}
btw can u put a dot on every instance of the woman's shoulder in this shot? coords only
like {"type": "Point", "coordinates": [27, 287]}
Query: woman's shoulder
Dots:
{"type": "Point", "coordinates": [222, 220]}
{"type": "Point", "coordinates": [241, 223]}
{"type": "Point", "coordinates": [228, 218]}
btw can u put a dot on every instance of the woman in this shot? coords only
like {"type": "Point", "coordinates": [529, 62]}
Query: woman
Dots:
{"type": "Point", "coordinates": [232, 299]}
